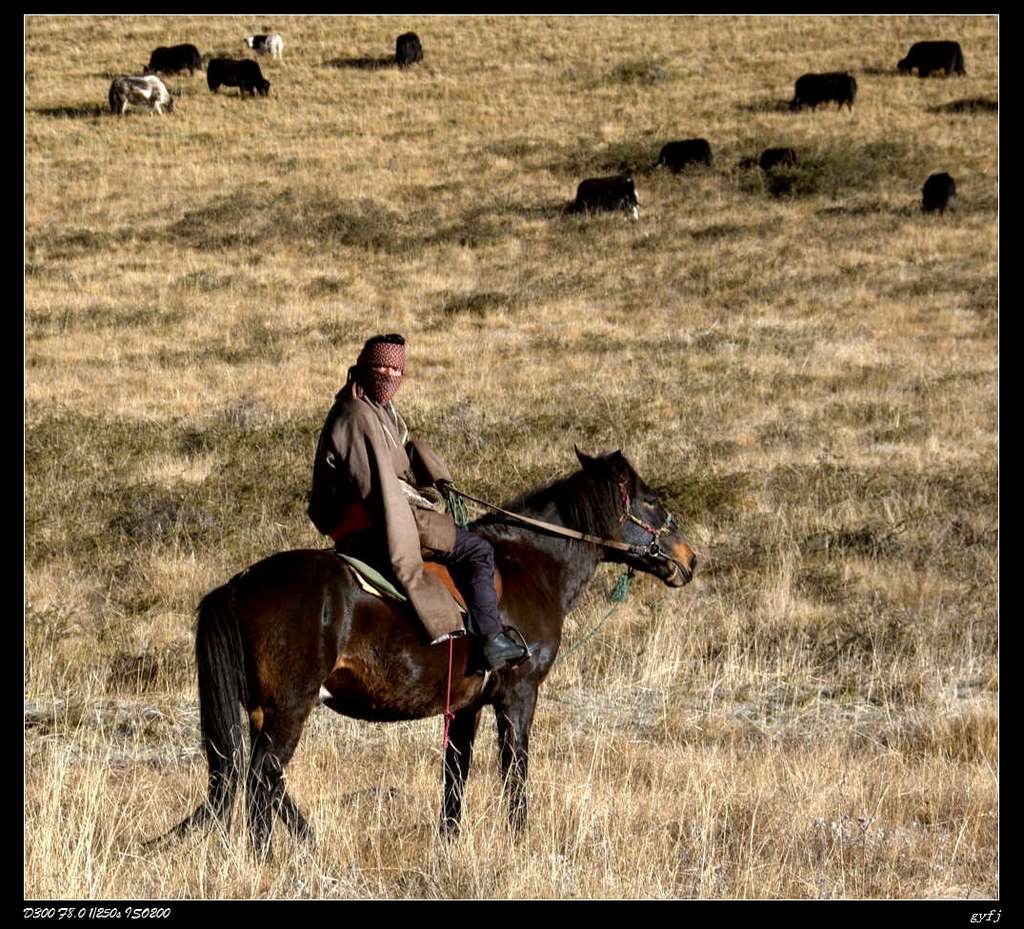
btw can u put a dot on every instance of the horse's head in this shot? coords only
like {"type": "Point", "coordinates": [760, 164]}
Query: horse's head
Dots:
{"type": "Point", "coordinates": [658, 545]}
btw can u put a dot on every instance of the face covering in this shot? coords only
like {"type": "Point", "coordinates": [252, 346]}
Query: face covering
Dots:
{"type": "Point", "coordinates": [381, 388]}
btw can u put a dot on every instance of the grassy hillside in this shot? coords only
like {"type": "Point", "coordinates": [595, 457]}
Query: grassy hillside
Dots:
{"type": "Point", "coordinates": [805, 364]}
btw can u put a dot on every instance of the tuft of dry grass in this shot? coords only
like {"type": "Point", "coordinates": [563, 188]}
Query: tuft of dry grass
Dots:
{"type": "Point", "coordinates": [803, 364]}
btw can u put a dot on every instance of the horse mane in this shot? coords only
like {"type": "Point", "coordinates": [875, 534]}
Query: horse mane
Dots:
{"type": "Point", "coordinates": [583, 501]}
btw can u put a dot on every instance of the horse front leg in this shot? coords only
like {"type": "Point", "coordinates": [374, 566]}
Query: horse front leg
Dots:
{"type": "Point", "coordinates": [457, 757]}
{"type": "Point", "coordinates": [514, 715]}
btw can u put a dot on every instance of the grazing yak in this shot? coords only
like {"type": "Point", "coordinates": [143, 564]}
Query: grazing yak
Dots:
{"type": "Point", "coordinates": [244, 74]}
{"type": "Point", "coordinates": [933, 56]}
{"type": "Point", "coordinates": [938, 193]}
{"type": "Point", "coordinates": [677, 155]}
{"type": "Point", "coordinates": [812, 89]}
{"type": "Point", "coordinates": [271, 44]}
{"type": "Point", "coordinates": [606, 193]}
{"type": "Point", "coordinates": [771, 157]}
{"type": "Point", "coordinates": [174, 59]}
{"type": "Point", "coordinates": [145, 91]}
{"type": "Point", "coordinates": [408, 49]}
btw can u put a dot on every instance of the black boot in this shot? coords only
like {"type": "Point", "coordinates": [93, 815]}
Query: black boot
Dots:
{"type": "Point", "coordinates": [499, 650]}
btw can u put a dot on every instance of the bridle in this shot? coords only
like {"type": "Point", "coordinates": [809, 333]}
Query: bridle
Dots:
{"type": "Point", "coordinates": [652, 549]}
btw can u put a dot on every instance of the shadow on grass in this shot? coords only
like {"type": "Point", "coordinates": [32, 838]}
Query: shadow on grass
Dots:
{"type": "Point", "coordinates": [544, 211]}
{"type": "Point", "coordinates": [566, 209]}
{"type": "Point", "coordinates": [549, 210]}
{"type": "Point", "coordinates": [640, 72]}
{"type": "Point", "coordinates": [973, 105]}
{"type": "Point", "coordinates": [363, 64]}
{"type": "Point", "coordinates": [72, 112]}
{"type": "Point", "coordinates": [843, 171]}
{"type": "Point", "coordinates": [870, 209]}
{"type": "Point", "coordinates": [764, 106]}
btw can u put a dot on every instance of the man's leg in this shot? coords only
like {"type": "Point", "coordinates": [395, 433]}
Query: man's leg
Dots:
{"type": "Point", "coordinates": [471, 565]}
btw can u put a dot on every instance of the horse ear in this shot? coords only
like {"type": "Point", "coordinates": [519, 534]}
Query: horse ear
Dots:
{"type": "Point", "coordinates": [612, 466]}
{"type": "Point", "coordinates": [617, 464]}
{"type": "Point", "coordinates": [588, 463]}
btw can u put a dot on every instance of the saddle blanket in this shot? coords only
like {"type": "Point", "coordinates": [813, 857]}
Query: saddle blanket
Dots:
{"type": "Point", "coordinates": [376, 583]}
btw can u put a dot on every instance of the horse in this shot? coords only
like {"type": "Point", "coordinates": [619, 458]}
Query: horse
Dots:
{"type": "Point", "coordinates": [296, 630]}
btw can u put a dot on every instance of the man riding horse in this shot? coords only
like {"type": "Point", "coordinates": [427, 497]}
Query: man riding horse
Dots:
{"type": "Point", "coordinates": [380, 496]}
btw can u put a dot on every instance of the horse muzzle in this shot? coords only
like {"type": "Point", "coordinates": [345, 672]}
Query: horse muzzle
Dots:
{"type": "Point", "coordinates": [678, 576]}
{"type": "Point", "coordinates": [682, 562]}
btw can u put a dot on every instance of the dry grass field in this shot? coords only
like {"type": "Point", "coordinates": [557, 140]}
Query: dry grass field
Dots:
{"type": "Point", "coordinates": [805, 365]}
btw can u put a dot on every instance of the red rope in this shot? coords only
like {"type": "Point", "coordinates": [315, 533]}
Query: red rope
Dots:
{"type": "Point", "coordinates": [448, 714]}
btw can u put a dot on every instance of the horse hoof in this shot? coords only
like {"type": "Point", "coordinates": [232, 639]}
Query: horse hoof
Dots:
{"type": "Point", "coordinates": [450, 829]}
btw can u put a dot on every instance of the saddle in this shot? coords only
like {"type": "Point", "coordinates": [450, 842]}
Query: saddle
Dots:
{"type": "Point", "coordinates": [382, 583]}
{"type": "Point", "coordinates": [442, 574]}
{"type": "Point", "coordinates": [376, 582]}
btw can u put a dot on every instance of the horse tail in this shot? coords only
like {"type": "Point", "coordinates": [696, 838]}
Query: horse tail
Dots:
{"type": "Point", "coordinates": [220, 662]}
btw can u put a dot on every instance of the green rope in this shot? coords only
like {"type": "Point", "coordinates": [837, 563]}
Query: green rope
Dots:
{"type": "Point", "coordinates": [617, 597]}
{"type": "Point", "coordinates": [457, 508]}
{"type": "Point", "coordinates": [621, 591]}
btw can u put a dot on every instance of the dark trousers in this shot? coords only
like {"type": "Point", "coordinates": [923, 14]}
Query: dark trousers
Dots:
{"type": "Point", "coordinates": [471, 565]}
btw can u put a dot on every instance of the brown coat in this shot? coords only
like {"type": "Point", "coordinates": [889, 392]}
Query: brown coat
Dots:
{"type": "Point", "coordinates": [358, 475]}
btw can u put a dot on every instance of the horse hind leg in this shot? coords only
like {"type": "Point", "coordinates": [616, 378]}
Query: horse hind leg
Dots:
{"type": "Point", "coordinates": [292, 817]}
{"type": "Point", "coordinates": [216, 808]}
{"type": "Point", "coordinates": [457, 757]}
{"type": "Point", "coordinates": [274, 740]}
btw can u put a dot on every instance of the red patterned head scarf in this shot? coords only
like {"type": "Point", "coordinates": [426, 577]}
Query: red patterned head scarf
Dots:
{"type": "Point", "coordinates": [380, 352]}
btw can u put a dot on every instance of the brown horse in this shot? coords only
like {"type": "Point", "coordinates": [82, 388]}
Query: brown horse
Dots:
{"type": "Point", "coordinates": [296, 630]}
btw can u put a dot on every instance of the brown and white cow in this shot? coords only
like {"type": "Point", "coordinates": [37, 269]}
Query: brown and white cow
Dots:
{"type": "Point", "coordinates": [143, 91]}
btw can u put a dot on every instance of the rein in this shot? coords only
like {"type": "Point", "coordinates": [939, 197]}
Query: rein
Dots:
{"type": "Point", "coordinates": [620, 593]}
{"type": "Point", "coordinates": [653, 549]}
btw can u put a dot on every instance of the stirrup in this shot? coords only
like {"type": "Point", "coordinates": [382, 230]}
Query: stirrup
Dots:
{"type": "Point", "coordinates": [512, 631]}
